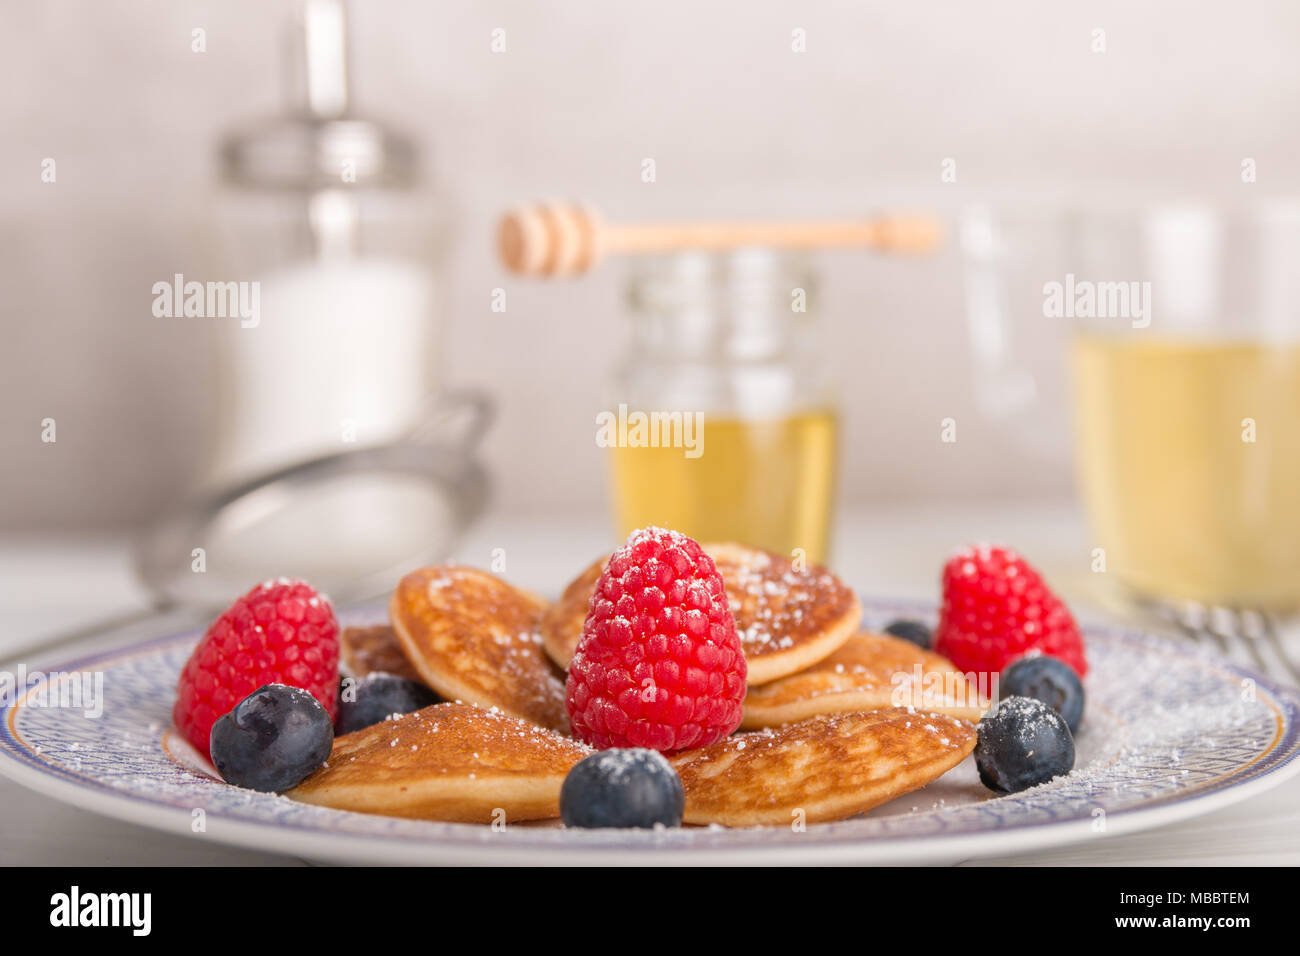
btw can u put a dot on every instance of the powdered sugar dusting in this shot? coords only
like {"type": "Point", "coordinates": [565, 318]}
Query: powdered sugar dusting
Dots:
{"type": "Point", "coordinates": [774, 604]}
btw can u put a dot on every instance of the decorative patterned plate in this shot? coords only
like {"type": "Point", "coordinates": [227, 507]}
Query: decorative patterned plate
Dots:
{"type": "Point", "coordinates": [1170, 733]}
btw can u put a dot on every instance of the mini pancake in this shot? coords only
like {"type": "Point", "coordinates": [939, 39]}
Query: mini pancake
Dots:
{"type": "Point", "coordinates": [787, 619]}
{"type": "Point", "coordinates": [377, 649]}
{"type": "Point", "coordinates": [869, 672]}
{"type": "Point", "coordinates": [451, 762]}
{"type": "Point", "coordinates": [562, 623]}
{"type": "Point", "coordinates": [828, 767]}
{"type": "Point", "coordinates": [474, 638]}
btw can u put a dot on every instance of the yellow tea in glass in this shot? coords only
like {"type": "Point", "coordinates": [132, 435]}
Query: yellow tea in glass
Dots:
{"type": "Point", "coordinates": [1189, 457]}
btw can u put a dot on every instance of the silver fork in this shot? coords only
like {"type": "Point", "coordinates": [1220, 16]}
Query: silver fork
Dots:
{"type": "Point", "coordinates": [1255, 639]}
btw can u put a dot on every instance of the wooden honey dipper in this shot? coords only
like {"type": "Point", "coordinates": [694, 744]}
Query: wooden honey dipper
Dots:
{"type": "Point", "coordinates": [566, 239]}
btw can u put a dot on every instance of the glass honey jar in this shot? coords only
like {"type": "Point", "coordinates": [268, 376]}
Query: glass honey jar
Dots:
{"type": "Point", "coordinates": [721, 422]}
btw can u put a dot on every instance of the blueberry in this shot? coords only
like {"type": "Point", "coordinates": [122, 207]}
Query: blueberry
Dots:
{"type": "Point", "coordinates": [914, 631]}
{"type": "Point", "coordinates": [622, 788]}
{"type": "Point", "coordinates": [272, 740]}
{"type": "Point", "coordinates": [1022, 743]}
{"type": "Point", "coordinates": [1052, 681]}
{"type": "Point", "coordinates": [378, 695]}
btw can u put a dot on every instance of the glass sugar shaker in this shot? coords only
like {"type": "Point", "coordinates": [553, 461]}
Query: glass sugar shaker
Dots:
{"type": "Point", "coordinates": [324, 211]}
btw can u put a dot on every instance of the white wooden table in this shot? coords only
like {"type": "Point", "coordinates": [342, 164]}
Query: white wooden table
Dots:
{"type": "Point", "coordinates": [50, 585]}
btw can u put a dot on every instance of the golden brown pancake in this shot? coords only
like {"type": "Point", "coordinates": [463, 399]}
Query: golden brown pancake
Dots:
{"type": "Point", "coordinates": [827, 767]}
{"type": "Point", "coordinates": [368, 650]}
{"type": "Point", "coordinates": [450, 762]}
{"type": "Point", "coordinates": [474, 638]}
{"type": "Point", "coordinates": [562, 623]}
{"type": "Point", "coordinates": [787, 620]}
{"type": "Point", "coordinates": [869, 672]}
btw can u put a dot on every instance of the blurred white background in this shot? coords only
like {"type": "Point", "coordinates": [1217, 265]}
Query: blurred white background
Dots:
{"type": "Point", "coordinates": [738, 125]}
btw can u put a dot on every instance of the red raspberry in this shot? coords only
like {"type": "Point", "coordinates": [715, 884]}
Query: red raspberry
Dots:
{"type": "Point", "coordinates": [996, 608]}
{"type": "Point", "coordinates": [281, 632]}
{"type": "Point", "coordinates": [659, 664]}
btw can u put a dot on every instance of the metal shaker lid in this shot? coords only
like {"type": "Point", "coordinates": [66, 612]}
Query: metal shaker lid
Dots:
{"type": "Point", "coordinates": [317, 142]}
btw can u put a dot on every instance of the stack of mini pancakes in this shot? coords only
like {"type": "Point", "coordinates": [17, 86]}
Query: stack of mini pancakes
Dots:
{"type": "Point", "coordinates": [836, 720]}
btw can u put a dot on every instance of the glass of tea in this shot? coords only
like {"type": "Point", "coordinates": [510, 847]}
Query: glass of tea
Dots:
{"type": "Point", "coordinates": [1181, 328]}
